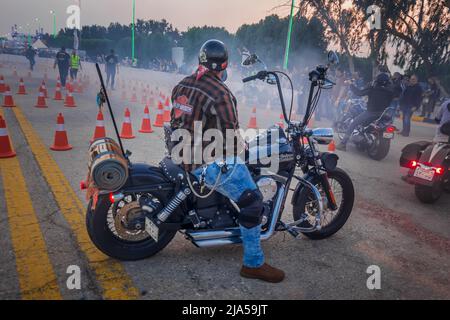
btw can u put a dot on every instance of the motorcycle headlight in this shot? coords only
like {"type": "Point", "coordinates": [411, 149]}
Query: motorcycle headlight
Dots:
{"type": "Point", "coordinates": [329, 161]}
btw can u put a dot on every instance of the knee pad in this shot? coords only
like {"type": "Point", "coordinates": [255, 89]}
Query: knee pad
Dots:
{"type": "Point", "coordinates": [251, 206]}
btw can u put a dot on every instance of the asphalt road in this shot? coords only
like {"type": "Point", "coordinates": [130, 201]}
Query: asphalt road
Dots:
{"type": "Point", "coordinates": [41, 236]}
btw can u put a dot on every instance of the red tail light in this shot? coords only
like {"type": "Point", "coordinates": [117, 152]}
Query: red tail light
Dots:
{"type": "Point", "coordinates": [413, 164]}
{"type": "Point", "coordinates": [390, 129]}
{"type": "Point", "coordinates": [439, 170]}
{"type": "Point", "coordinates": [111, 198]}
{"type": "Point", "coordinates": [83, 185]}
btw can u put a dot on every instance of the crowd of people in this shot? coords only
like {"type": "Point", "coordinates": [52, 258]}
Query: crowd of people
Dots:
{"type": "Point", "coordinates": [412, 95]}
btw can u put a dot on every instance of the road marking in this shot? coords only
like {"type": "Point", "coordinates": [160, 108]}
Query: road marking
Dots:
{"type": "Point", "coordinates": [37, 278]}
{"type": "Point", "coordinates": [110, 274]}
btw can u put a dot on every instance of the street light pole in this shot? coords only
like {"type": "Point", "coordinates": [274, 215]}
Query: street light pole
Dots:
{"type": "Point", "coordinates": [288, 40]}
{"type": "Point", "coordinates": [132, 31]}
{"type": "Point", "coordinates": [54, 23]}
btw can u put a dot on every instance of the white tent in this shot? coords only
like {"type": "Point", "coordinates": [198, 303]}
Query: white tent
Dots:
{"type": "Point", "coordinates": [39, 45]}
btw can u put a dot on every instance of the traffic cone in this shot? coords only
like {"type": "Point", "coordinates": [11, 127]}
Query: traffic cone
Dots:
{"type": "Point", "coordinates": [2, 84]}
{"type": "Point", "coordinates": [134, 97]}
{"type": "Point", "coordinates": [332, 146]}
{"type": "Point", "coordinates": [167, 110]}
{"type": "Point", "coordinates": [61, 142]}
{"type": "Point", "coordinates": [144, 98]}
{"type": "Point", "coordinates": [281, 122]}
{"type": "Point", "coordinates": [159, 121]}
{"type": "Point", "coordinates": [100, 131]}
{"type": "Point", "coordinates": [252, 123]}
{"type": "Point", "coordinates": [8, 100]}
{"type": "Point", "coordinates": [127, 129]}
{"type": "Point", "coordinates": [58, 94]}
{"type": "Point", "coordinates": [43, 89]}
{"type": "Point", "coordinates": [6, 150]}
{"type": "Point", "coordinates": [41, 103]}
{"type": "Point", "coordinates": [22, 90]}
{"type": "Point", "coordinates": [146, 123]}
{"type": "Point", "coordinates": [70, 101]}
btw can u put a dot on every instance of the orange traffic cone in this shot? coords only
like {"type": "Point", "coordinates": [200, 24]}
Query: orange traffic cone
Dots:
{"type": "Point", "coordinates": [8, 100]}
{"type": "Point", "coordinates": [2, 84]}
{"type": "Point", "coordinates": [58, 94]}
{"type": "Point", "coordinates": [252, 123]}
{"type": "Point", "coordinates": [159, 121]}
{"type": "Point", "coordinates": [332, 146]}
{"type": "Point", "coordinates": [134, 97]}
{"type": "Point", "coordinates": [70, 101]}
{"type": "Point", "coordinates": [127, 129]}
{"type": "Point", "coordinates": [146, 123]}
{"type": "Point", "coordinates": [6, 150]}
{"type": "Point", "coordinates": [61, 142]}
{"type": "Point", "coordinates": [167, 110]}
{"type": "Point", "coordinates": [43, 88]}
{"type": "Point", "coordinates": [100, 131]}
{"type": "Point", "coordinates": [22, 90]}
{"type": "Point", "coordinates": [281, 123]}
{"type": "Point", "coordinates": [41, 103]}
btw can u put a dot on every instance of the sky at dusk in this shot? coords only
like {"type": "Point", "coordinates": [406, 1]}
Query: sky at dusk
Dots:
{"type": "Point", "coordinates": [181, 13]}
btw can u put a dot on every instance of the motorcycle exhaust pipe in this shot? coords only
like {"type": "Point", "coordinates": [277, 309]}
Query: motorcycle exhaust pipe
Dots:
{"type": "Point", "coordinates": [204, 239]}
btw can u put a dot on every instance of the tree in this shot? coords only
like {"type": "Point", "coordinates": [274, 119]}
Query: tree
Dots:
{"type": "Point", "coordinates": [420, 31]}
{"type": "Point", "coordinates": [343, 21]}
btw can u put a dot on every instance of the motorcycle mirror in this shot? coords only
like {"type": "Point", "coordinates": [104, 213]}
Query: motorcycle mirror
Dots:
{"type": "Point", "coordinates": [249, 59]}
{"type": "Point", "coordinates": [333, 57]}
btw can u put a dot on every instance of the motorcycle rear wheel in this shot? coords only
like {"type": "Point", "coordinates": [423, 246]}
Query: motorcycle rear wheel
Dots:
{"type": "Point", "coordinates": [428, 194]}
{"type": "Point", "coordinates": [107, 240]}
{"type": "Point", "coordinates": [381, 150]}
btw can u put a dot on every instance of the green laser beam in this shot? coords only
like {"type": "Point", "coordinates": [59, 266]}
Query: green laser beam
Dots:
{"type": "Point", "coordinates": [288, 40]}
{"type": "Point", "coordinates": [132, 30]}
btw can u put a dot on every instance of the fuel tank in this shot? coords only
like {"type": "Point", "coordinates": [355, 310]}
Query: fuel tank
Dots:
{"type": "Point", "coordinates": [269, 146]}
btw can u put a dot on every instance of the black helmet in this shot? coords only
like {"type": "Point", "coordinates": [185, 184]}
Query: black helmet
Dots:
{"type": "Point", "coordinates": [382, 79]}
{"type": "Point", "coordinates": [213, 55]}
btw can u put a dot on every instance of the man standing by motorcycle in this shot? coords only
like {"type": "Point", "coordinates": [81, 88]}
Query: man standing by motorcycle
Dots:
{"type": "Point", "coordinates": [380, 95]}
{"type": "Point", "coordinates": [204, 99]}
{"type": "Point", "coordinates": [443, 118]}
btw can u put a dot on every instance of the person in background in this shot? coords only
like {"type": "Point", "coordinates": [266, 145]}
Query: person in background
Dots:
{"type": "Point", "coordinates": [410, 102]}
{"type": "Point", "coordinates": [63, 62]}
{"type": "Point", "coordinates": [442, 117]}
{"type": "Point", "coordinates": [30, 54]}
{"type": "Point", "coordinates": [431, 97]}
{"type": "Point", "coordinates": [75, 65]}
{"type": "Point", "coordinates": [111, 68]}
{"type": "Point", "coordinates": [398, 86]}
{"type": "Point", "coordinates": [380, 95]}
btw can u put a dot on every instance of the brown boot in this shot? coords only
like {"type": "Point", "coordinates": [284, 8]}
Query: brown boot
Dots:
{"type": "Point", "coordinates": [264, 273]}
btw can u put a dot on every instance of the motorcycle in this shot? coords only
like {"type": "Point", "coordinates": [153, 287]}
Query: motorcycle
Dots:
{"type": "Point", "coordinates": [375, 139]}
{"type": "Point", "coordinates": [429, 167]}
{"type": "Point", "coordinates": [322, 199]}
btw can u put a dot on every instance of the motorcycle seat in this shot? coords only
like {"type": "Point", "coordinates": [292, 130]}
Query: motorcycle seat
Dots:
{"type": "Point", "coordinates": [171, 170]}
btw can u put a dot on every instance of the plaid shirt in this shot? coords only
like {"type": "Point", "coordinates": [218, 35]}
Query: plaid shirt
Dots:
{"type": "Point", "coordinates": [208, 101]}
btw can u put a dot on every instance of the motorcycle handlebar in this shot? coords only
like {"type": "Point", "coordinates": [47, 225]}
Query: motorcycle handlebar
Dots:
{"type": "Point", "coordinates": [260, 75]}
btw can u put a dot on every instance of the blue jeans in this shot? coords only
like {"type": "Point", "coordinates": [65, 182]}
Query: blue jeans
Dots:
{"type": "Point", "coordinates": [407, 115]}
{"type": "Point", "coordinates": [232, 185]}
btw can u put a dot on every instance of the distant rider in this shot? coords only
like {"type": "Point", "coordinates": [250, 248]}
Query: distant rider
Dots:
{"type": "Point", "coordinates": [30, 54]}
{"type": "Point", "coordinates": [380, 95]}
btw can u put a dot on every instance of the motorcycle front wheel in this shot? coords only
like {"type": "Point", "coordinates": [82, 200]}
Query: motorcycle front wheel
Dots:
{"type": "Point", "coordinates": [118, 230]}
{"type": "Point", "coordinates": [331, 220]}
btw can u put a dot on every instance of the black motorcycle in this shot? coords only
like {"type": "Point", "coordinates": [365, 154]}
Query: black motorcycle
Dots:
{"type": "Point", "coordinates": [375, 139]}
{"type": "Point", "coordinates": [322, 199]}
{"type": "Point", "coordinates": [428, 167]}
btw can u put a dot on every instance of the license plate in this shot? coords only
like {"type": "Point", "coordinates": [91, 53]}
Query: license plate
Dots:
{"type": "Point", "coordinates": [151, 229]}
{"type": "Point", "coordinates": [388, 135]}
{"type": "Point", "coordinates": [424, 173]}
